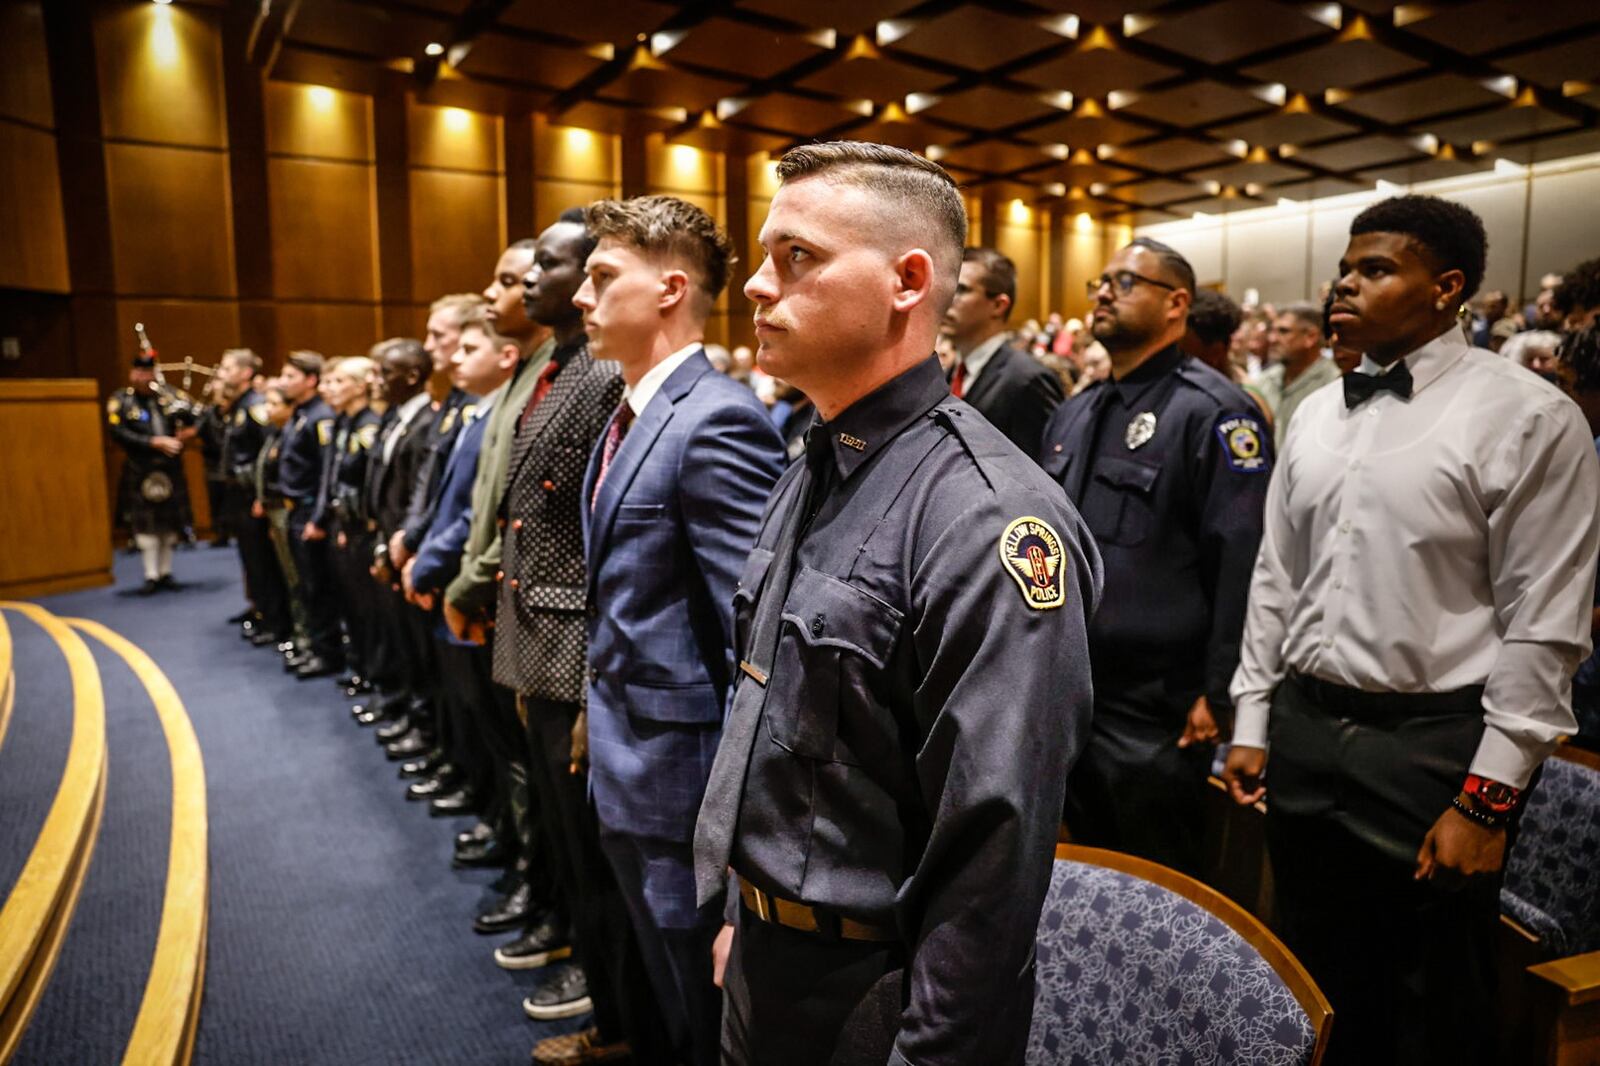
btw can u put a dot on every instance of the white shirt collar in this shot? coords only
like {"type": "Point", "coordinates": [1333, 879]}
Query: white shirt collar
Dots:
{"type": "Point", "coordinates": [1428, 362]}
{"type": "Point", "coordinates": [408, 410]}
{"type": "Point", "coordinates": [640, 395]}
{"type": "Point", "coordinates": [975, 360]}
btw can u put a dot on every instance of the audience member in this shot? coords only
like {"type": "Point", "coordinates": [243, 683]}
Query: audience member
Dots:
{"type": "Point", "coordinates": [1298, 367]}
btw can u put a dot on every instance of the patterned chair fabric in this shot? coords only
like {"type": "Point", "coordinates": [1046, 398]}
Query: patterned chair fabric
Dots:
{"type": "Point", "coordinates": [1552, 884]}
{"type": "Point", "coordinates": [1131, 972]}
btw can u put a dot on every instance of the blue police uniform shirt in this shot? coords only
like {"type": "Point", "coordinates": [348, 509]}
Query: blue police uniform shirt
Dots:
{"type": "Point", "coordinates": [928, 695]}
{"type": "Point", "coordinates": [303, 449]}
{"type": "Point", "coordinates": [1169, 467]}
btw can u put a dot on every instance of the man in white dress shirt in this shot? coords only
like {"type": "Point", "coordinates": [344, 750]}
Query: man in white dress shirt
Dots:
{"type": "Point", "coordinates": [1418, 607]}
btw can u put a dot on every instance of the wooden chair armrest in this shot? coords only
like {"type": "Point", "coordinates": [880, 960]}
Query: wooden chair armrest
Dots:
{"type": "Point", "coordinates": [1576, 977]}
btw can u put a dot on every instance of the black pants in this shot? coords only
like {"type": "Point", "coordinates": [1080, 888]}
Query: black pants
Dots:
{"type": "Point", "coordinates": [457, 731]}
{"type": "Point", "coordinates": [317, 587]}
{"type": "Point", "coordinates": [678, 960]}
{"type": "Point", "coordinates": [263, 576]}
{"type": "Point", "coordinates": [357, 598]}
{"type": "Point", "coordinates": [800, 999]}
{"type": "Point", "coordinates": [1354, 784]}
{"type": "Point", "coordinates": [1133, 789]}
{"type": "Point", "coordinates": [603, 938]}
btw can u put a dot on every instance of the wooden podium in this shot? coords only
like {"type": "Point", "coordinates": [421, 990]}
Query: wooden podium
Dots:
{"type": "Point", "coordinates": [55, 522]}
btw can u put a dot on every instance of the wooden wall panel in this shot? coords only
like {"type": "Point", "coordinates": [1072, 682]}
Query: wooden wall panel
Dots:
{"type": "Point", "coordinates": [682, 168]}
{"type": "Point", "coordinates": [53, 479]}
{"type": "Point", "coordinates": [457, 232]}
{"type": "Point", "coordinates": [553, 197]}
{"type": "Point", "coordinates": [160, 69]}
{"type": "Point", "coordinates": [316, 121]}
{"type": "Point", "coordinates": [454, 138]}
{"type": "Point", "coordinates": [33, 235]}
{"type": "Point", "coordinates": [1018, 236]}
{"type": "Point", "coordinates": [170, 228]}
{"type": "Point", "coordinates": [324, 220]}
{"type": "Point", "coordinates": [200, 329]}
{"type": "Point", "coordinates": [332, 329]}
{"type": "Point", "coordinates": [24, 65]}
{"type": "Point", "coordinates": [572, 154]}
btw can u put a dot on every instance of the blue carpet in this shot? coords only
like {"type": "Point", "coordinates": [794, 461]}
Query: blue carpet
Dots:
{"type": "Point", "coordinates": [35, 750]}
{"type": "Point", "coordinates": [338, 932]}
{"type": "Point", "coordinates": [88, 1008]}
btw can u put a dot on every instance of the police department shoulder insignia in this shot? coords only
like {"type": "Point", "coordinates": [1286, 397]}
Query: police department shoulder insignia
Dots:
{"type": "Point", "coordinates": [325, 432]}
{"type": "Point", "coordinates": [259, 413]}
{"type": "Point", "coordinates": [364, 437]}
{"type": "Point", "coordinates": [1031, 553]}
{"type": "Point", "coordinates": [1241, 438]}
{"type": "Point", "coordinates": [449, 420]}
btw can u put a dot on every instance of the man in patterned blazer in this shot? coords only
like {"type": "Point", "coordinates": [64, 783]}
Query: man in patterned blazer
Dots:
{"type": "Point", "coordinates": [673, 498]}
{"type": "Point", "coordinates": [540, 654]}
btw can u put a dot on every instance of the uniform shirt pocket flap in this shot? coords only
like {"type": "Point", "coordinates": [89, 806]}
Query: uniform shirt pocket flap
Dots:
{"type": "Point", "coordinates": [828, 612]}
{"type": "Point", "coordinates": [1127, 474]}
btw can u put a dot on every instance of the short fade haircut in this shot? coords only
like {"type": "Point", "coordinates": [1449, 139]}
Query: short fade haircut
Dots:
{"type": "Point", "coordinates": [665, 227]}
{"type": "Point", "coordinates": [243, 357]}
{"type": "Point", "coordinates": [1309, 314]}
{"type": "Point", "coordinates": [309, 363]}
{"type": "Point", "coordinates": [1580, 288]}
{"type": "Point", "coordinates": [1214, 317]}
{"type": "Point", "coordinates": [576, 216]}
{"type": "Point", "coordinates": [1172, 259]}
{"type": "Point", "coordinates": [1580, 351]}
{"type": "Point", "coordinates": [407, 349]}
{"type": "Point", "coordinates": [914, 184]}
{"type": "Point", "coordinates": [478, 318]}
{"type": "Point", "coordinates": [999, 274]}
{"type": "Point", "coordinates": [459, 304]}
{"type": "Point", "coordinates": [1448, 233]}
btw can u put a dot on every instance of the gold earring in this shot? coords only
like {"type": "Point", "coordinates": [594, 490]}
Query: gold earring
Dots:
{"type": "Point", "coordinates": [1440, 304]}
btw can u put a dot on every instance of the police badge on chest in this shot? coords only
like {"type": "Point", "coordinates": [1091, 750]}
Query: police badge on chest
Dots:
{"type": "Point", "coordinates": [1140, 430]}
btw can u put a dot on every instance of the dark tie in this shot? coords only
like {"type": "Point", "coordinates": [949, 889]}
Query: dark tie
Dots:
{"type": "Point", "coordinates": [719, 811]}
{"type": "Point", "coordinates": [617, 430]}
{"type": "Point", "coordinates": [1359, 387]}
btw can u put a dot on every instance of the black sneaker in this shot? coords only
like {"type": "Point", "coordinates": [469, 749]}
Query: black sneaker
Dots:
{"type": "Point", "coordinates": [564, 995]}
{"type": "Point", "coordinates": [545, 943]}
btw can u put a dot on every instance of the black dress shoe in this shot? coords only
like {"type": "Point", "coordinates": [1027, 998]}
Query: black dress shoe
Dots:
{"type": "Point", "coordinates": [453, 805]}
{"type": "Point", "coordinates": [394, 730]}
{"type": "Point", "coordinates": [263, 638]}
{"type": "Point", "coordinates": [346, 679]}
{"type": "Point", "coordinates": [511, 912]}
{"type": "Point", "coordinates": [316, 666]}
{"type": "Point", "coordinates": [361, 688]}
{"type": "Point", "coordinates": [168, 583]}
{"type": "Point", "coordinates": [429, 762]}
{"type": "Point", "coordinates": [296, 659]}
{"type": "Point", "coordinates": [243, 616]}
{"type": "Point", "coordinates": [249, 628]}
{"type": "Point", "coordinates": [432, 787]}
{"type": "Point", "coordinates": [545, 942]}
{"type": "Point", "coordinates": [476, 835]}
{"type": "Point", "coordinates": [149, 588]}
{"type": "Point", "coordinates": [287, 647]}
{"type": "Point", "coordinates": [490, 853]}
{"type": "Point", "coordinates": [412, 744]}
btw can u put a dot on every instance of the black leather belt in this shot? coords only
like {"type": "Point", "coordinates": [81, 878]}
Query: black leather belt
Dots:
{"type": "Point", "coordinates": [793, 915]}
{"type": "Point", "coordinates": [1346, 702]}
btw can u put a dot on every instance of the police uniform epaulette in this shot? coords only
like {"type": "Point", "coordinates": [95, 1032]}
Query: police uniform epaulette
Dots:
{"type": "Point", "coordinates": [984, 444]}
{"type": "Point", "coordinates": [1228, 395]}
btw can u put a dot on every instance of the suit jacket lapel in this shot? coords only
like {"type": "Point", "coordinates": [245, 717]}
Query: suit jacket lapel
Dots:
{"type": "Point", "coordinates": [626, 463]}
{"type": "Point", "coordinates": [989, 380]}
{"type": "Point", "coordinates": [562, 389]}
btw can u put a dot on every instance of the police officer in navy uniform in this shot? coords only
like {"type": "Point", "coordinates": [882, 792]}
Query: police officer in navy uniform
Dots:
{"type": "Point", "coordinates": [303, 456]}
{"type": "Point", "coordinates": [1168, 462]}
{"type": "Point", "coordinates": [244, 431]}
{"type": "Point", "coordinates": [152, 494]}
{"type": "Point", "coordinates": [912, 679]}
{"type": "Point", "coordinates": [355, 430]}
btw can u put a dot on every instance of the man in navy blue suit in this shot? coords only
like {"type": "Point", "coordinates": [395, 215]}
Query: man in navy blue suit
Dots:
{"type": "Point", "coordinates": [671, 504]}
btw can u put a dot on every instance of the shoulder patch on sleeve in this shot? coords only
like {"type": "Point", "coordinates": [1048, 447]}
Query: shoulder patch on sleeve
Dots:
{"type": "Point", "coordinates": [365, 436]}
{"type": "Point", "coordinates": [325, 431]}
{"type": "Point", "coordinates": [448, 421]}
{"type": "Point", "coordinates": [1242, 445]}
{"type": "Point", "coordinates": [259, 413]}
{"type": "Point", "coordinates": [1031, 552]}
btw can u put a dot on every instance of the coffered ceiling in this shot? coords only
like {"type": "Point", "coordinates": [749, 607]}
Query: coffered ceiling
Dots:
{"type": "Point", "coordinates": [1115, 108]}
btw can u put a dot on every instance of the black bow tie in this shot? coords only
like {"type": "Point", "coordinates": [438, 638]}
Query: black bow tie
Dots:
{"type": "Point", "coordinates": [1359, 387]}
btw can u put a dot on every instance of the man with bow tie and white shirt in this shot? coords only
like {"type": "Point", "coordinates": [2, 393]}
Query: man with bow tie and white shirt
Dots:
{"type": "Point", "coordinates": [1420, 602]}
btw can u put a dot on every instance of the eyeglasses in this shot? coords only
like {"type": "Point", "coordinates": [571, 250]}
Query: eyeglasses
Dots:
{"type": "Point", "coordinates": [1121, 283]}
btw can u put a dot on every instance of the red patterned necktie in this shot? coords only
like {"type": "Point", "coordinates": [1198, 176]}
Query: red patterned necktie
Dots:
{"type": "Point", "coordinates": [541, 389]}
{"type": "Point", "coordinates": [958, 381]}
{"type": "Point", "coordinates": [608, 451]}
